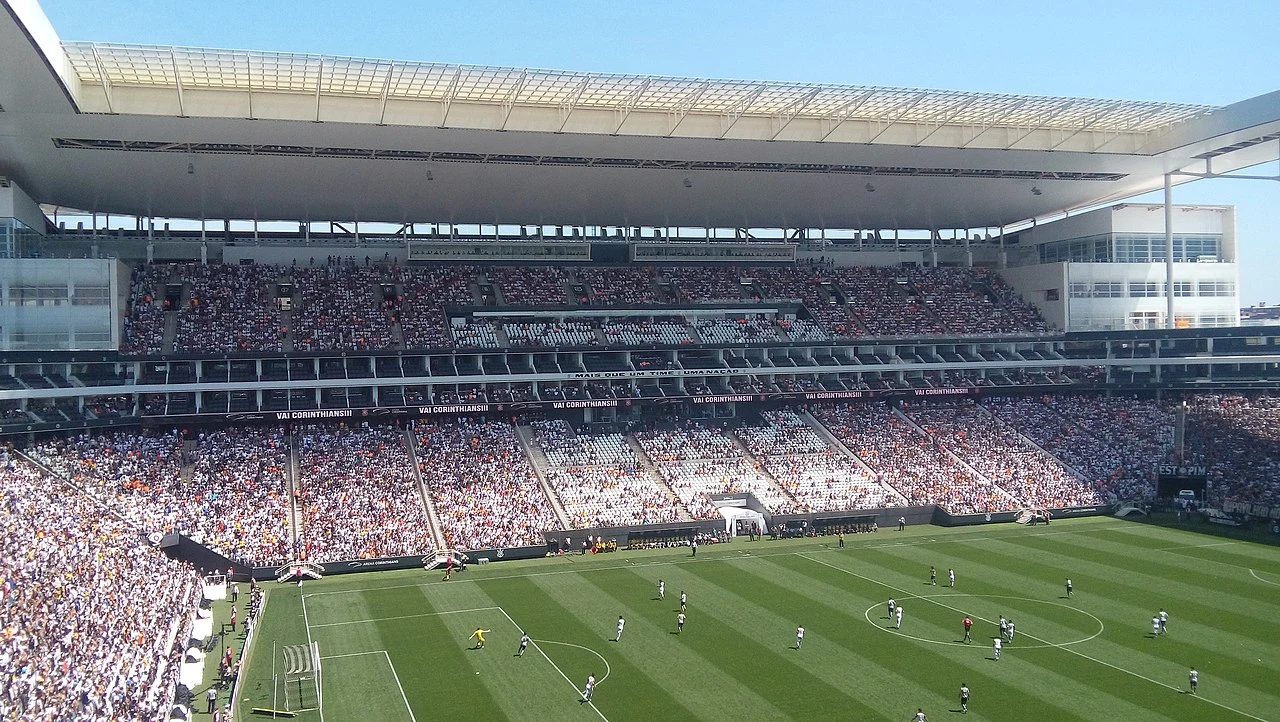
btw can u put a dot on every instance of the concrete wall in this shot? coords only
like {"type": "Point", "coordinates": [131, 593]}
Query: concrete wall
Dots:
{"type": "Point", "coordinates": [1038, 285]}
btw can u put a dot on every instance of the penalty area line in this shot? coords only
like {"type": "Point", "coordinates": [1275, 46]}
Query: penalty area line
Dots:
{"type": "Point", "coordinates": [536, 646]}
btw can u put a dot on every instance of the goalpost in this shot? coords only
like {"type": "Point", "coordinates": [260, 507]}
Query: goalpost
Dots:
{"type": "Point", "coordinates": [301, 663]}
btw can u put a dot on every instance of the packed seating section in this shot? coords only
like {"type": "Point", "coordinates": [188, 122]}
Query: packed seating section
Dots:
{"type": "Point", "coordinates": [68, 571]}
{"type": "Point", "coordinates": [339, 304]}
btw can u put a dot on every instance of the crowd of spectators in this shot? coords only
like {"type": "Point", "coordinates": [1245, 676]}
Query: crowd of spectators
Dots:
{"type": "Point", "coordinates": [237, 500]}
{"type": "Point", "coordinates": [617, 286]}
{"type": "Point", "coordinates": [94, 617]}
{"type": "Point", "coordinates": [905, 458]}
{"type": "Point", "coordinates": [145, 312]}
{"type": "Point", "coordinates": [960, 299]}
{"type": "Point", "coordinates": [695, 284]}
{"type": "Point", "coordinates": [338, 309]}
{"type": "Point", "coordinates": [882, 306]}
{"type": "Point", "coordinates": [343, 305]}
{"type": "Point", "coordinates": [1238, 439]}
{"type": "Point", "coordinates": [233, 497]}
{"type": "Point", "coordinates": [817, 476]}
{"type": "Point", "coordinates": [228, 309]}
{"type": "Point", "coordinates": [1113, 443]}
{"type": "Point", "coordinates": [697, 459]}
{"type": "Point", "coordinates": [482, 485]}
{"type": "Point", "coordinates": [427, 291]}
{"type": "Point", "coordinates": [136, 475]}
{"type": "Point", "coordinates": [996, 450]}
{"type": "Point", "coordinates": [530, 285]}
{"type": "Point", "coordinates": [358, 494]}
{"type": "Point", "coordinates": [598, 479]}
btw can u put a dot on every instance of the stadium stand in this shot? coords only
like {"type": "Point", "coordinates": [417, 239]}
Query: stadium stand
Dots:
{"type": "Point", "coordinates": [342, 305]}
{"type": "Point", "coordinates": [55, 657]}
{"type": "Point", "coordinates": [483, 487]}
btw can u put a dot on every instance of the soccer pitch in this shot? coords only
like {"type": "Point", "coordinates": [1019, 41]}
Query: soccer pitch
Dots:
{"type": "Point", "coordinates": [397, 646]}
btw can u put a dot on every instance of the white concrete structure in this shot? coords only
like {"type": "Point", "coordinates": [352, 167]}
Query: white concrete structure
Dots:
{"type": "Point", "coordinates": [1105, 270]}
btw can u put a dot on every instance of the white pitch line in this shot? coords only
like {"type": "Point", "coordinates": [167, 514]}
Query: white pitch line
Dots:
{"type": "Point", "coordinates": [302, 598]}
{"type": "Point", "coordinates": [353, 654]}
{"type": "Point", "coordinates": [404, 616]}
{"type": "Point", "coordinates": [687, 560]}
{"type": "Point", "coordinates": [607, 669]}
{"type": "Point", "coordinates": [402, 694]}
{"type": "Point", "coordinates": [1029, 636]}
{"type": "Point", "coordinates": [1267, 581]}
{"type": "Point", "coordinates": [1194, 546]}
{"type": "Point", "coordinates": [553, 664]}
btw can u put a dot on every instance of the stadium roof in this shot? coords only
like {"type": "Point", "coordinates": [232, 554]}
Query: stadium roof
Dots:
{"type": "Point", "coordinates": [202, 133]}
{"type": "Point", "coordinates": [103, 66]}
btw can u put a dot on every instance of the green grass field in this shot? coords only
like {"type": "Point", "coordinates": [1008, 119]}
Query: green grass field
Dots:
{"type": "Point", "coordinates": [395, 645]}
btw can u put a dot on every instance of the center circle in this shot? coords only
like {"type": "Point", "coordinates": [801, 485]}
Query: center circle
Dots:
{"type": "Point", "coordinates": [931, 597]}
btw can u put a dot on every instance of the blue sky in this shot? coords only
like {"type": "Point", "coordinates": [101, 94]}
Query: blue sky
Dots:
{"type": "Point", "coordinates": [1191, 52]}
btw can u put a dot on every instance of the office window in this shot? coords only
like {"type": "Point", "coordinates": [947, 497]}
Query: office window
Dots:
{"type": "Point", "coordinates": [1144, 289]}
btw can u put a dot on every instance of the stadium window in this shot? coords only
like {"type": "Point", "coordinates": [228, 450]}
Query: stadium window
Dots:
{"type": "Point", "coordinates": [1143, 289]}
{"type": "Point", "coordinates": [1183, 289]}
{"type": "Point", "coordinates": [1217, 288]}
{"type": "Point", "coordinates": [1108, 289]}
{"type": "Point", "coordinates": [1080, 290]}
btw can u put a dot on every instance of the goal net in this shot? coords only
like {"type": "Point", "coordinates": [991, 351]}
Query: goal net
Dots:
{"type": "Point", "coordinates": [301, 664]}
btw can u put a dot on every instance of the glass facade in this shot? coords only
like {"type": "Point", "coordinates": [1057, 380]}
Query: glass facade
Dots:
{"type": "Point", "coordinates": [15, 238]}
{"type": "Point", "coordinates": [1133, 248]}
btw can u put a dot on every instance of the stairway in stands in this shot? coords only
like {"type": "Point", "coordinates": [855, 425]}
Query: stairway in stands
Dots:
{"type": "Point", "coordinates": [897, 411]}
{"type": "Point", "coordinates": [652, 470]}
{"type": "Point", "coordinates": [840, 448]}
{"type": "Point", "coordinates": [295, 509]}
{"type": "Point", "coordinates": [759, 465]}
{"type": "Point", "coordinates": [437, 536]}
{"type": "Point", "coordinates": [540, 463]}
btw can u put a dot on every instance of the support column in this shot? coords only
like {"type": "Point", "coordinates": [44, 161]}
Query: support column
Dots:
{"type": "Point", "coordinates": [1168, 250]}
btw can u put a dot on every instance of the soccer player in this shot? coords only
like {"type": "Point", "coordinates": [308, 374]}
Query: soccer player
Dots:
{"type": "Point", "coordinates": [964, 697]}
{"type": "Point", "coordinates": [478, 635]}
{"type": "Point", "coordinates": [892, 606]}
{"type": "Point", "coordinates": [680, 622]}
{"type": "Point", "coordinates": [902, 523]}
{"type": "Point", "coordinates": [1004, 627]}
{"type": "Point", "coordinates": [1155, 626]}
{"type": "Point", "coordinates": [920, 715]}
{"type": "Point", "coordinates": [996, 644]}
{"type": "Point", "coordinates": [1012, 630]}
{"type": "Point", "coordinates": [968, 626]}
{"type": "Point", "coordinates": [524, 643]}
{"type": "Point", "coordinates": [1193, 677]}
{"type": "Point", "coordinates": [589, 689]}
{"type": "Point", "coordinates": [951, 575]}
{"type": "Point", "coordinates": [899, 620]}
{"type": "Point", "coordinates": [933, 576]}
{"type": "Point", "coordinates": [1164, 621]}
{"type": "Point", "coordinates": [662, 589]}
{"type": "Point", "coordinates": [683, 599]}
{"type": "Point", "coordinates": [1068, 587]}
{"type": "Point", "coordinates": [840, 538]}
{"type": "Point", "coordinates": [799, 637]}
{"type": "Point", "coordinates": [621, 623]}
